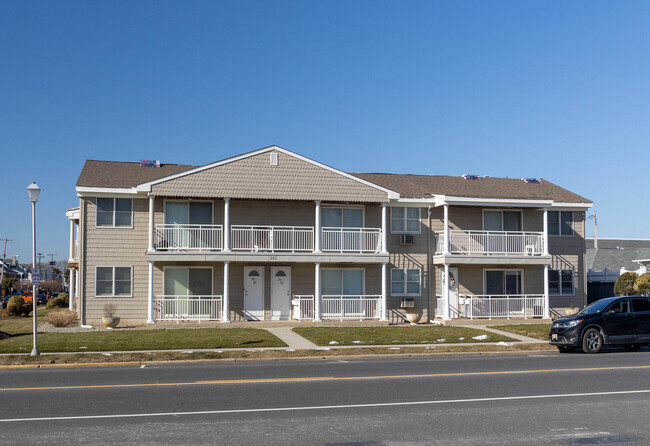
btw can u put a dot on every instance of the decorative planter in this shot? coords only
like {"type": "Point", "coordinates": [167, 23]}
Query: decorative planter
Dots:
{"type": "Point", "coordinates": [111, 322]}
{"type": "Point", "coordinates": [413, 317]}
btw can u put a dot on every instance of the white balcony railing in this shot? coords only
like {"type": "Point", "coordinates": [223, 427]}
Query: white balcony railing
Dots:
{"type": "Point", "coordinates": [188, 308]}
{"type": "Point", "coordinates": [353, 240]}
{"type": "Point", "coordinates": [272, 238]}
{"type": "Point", "coordinates": [502, 306]}
{"type": "Point", "coordinates": [189, 237]}
{"type": "Point", "coordinates": [351, 307]}
{"type": "Point", "coordinates": [492, 242]}
{"type": "Point", "coordinates": [303, 306]}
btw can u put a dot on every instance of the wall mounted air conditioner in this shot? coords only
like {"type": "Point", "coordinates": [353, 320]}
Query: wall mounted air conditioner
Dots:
{"type": "Point", "coordinates": [407, 302]}
{"type": "Point", "coordinates": [406, 239]}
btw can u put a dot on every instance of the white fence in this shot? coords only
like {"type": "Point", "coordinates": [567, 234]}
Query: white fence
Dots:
{"type": "Point", "coordinates": [272, 238]}
{"type": "Point", "coordinates": [492, 242]}
{"type": "Point", "coordinates": [189, 237]}
{"type": "Point", "coordinates": [351, 307]}
{"type": "Point", "coordinates": [188, 308]}
{"type": "Point", "coordinates": [504, 306]}
{"type": "Point", "coordinates": [303, 306]}
{"type": "Point", "coordinates": [355, 240]}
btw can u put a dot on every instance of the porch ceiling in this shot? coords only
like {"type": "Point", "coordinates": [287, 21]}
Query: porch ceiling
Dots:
{"type": "Point", "coordinates": [491, 260]}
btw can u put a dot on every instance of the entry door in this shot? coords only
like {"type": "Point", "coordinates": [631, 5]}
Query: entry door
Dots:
{"type": "Point", "coordinates": [452, 283]}
{"type": "Point", "coordinates": [254, 293]}
{"type": "Point", "coordinates": [280, 293]}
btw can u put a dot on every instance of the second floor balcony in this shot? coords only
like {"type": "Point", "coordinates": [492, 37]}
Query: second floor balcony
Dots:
{"type": "Point", "coordinates": [505, 243]}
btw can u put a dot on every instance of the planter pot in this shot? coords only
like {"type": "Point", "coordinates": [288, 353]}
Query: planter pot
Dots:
{"type": "Point", "coordinates": [111, 322]}
{"type": "Point", "coordinates": [413, 317]}
{"type": "Point", "coordinates": [571, 311]}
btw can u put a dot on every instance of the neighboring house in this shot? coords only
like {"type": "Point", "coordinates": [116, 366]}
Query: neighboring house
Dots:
{"type": "Point", "coordinates": [612, 258]}
{"type": "Point", "coordinates": [272, 235]}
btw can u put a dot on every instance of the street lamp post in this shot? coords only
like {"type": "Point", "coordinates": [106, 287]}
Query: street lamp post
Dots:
{"type": "Point", "coordinates": [33, 190]}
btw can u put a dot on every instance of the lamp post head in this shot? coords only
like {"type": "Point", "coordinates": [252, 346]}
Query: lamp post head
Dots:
{"type": "Point", "coordinates": [33, 190]}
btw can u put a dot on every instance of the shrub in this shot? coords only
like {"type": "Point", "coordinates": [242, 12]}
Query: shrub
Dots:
{"type": "Point", "coordinates": [4, 313]}
{"type": "Point", "coordinates": [58, 302]}
{"type": "Point", "coordinates": [61, 318]}
{"type": "Point", "coordinates": [624, 285]}
{"type": "Point", "coordinates": [642, 285]}
{"type": "Point", "coordinates": [15, 306]}
{"type": "Point", "coordinates": [64, 297]}
{"type": "Point", "coordinates": [110, 310]}
{"type": "Point", "coordinates": [25, 310]}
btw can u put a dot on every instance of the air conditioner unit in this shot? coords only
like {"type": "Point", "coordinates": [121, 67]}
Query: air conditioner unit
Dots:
{"type": "Point", "coordinates": [406, 239]}
{"type": "Point", "coordinates": [407, 302]}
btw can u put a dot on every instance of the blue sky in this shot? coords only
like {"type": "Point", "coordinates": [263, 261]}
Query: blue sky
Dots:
{"type": "Point", "coordinates": [550, 89]}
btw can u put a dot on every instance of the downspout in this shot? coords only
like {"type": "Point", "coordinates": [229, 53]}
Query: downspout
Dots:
{"type": "Point", "coordinates": [429, 266]}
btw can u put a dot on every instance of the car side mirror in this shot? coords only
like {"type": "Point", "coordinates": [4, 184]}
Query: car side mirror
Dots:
{"type": "Point", "coordinates": [610, 312]}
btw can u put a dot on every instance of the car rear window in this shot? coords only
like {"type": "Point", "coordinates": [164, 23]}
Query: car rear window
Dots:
{"type": "Point", "coordinates": [640, 304]}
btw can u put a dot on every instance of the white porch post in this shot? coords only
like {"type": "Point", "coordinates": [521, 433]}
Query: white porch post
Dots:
{"type": "Point", "coordinates": [384, 292]}
{"type": "Point", "coordinates": [547, 308]}
{"type": "Point", "coordinates": [317, 295]}
{"type": "Point", "coordinates": [226, 225]}
{"type": "Point", "coordinates": [151, 221]}
{"type": "Point", "coordinates": [71, 258]}
{"type": "Point", "coordinates": [545, 231]}
{"type": "Point", "coordinates": [445, 292]}
{"type": "Point", "coordinates": [225, 317]}
{"type": "Point", "coordinates": [71, 289]}
{"type": "Point", "coordinates": [150, 319]}
{"type": "Point", "coordinates": [384, 228]}
{"type": "Point", "coordinates": [446, 222]}
{"type": "Point", "coordinates": [317, 229]}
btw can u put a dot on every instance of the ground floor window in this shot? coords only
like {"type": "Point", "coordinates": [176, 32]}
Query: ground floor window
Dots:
{"type": "Point", "coordinates": [502, 282]}
{"type": "Point", "coordinates": [405, 282]}
{"type": "Point", "coordinates": [113, 281]}
{"type": "Point", "coordinates": [187, 281]}
{"type": "Point", "coordinates": [560, 282]}
{"type": "Point", "coordinates": [338, 282]}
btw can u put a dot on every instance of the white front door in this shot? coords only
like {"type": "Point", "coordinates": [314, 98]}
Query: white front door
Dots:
{"type": "Point", "coordinates": [280, 293]}
{"type": "Point", "coordinates": [452, 283]}
{"type": "Point", "coordinates": [254, 293]}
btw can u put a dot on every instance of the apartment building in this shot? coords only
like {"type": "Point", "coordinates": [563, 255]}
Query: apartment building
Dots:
{"type": "Point", "coordinates": [273, 235]}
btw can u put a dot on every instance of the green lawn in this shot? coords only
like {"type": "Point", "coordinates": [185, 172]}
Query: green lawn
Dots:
{"type": "Point", "coordinates": [395, 335]}
{"type": "Point", "coordinates": [537, 331]}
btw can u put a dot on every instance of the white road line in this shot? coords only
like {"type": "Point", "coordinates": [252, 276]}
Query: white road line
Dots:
{"type": "Point", "coordinates": [342, 406]}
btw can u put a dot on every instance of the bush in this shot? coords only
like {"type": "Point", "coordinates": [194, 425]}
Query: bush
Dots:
{"type": "Point", "coordinates": [642, 285]}
{"type": "Point", "coordinates": [624, 285]}
{"type": "Point", "coordinates": [4, 313]}
{"type": "Point", "coordinates": [64, 297]}
{"type": "Point", "coordinates": [15, 306]}
{"type": "Point", "coordinates": [58, 302]}
{"type": "Point", "coordinates": [62, 318]}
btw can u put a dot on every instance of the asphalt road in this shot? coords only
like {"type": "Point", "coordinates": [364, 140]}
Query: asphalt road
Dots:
{"type": "Point", "coordinates": [457, 400]}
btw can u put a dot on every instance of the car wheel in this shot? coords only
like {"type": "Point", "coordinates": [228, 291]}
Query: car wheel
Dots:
{"type": "Point", "coordinates": [592, 341]}
{"type": "Point", "coordinates": [565, 348]}
{"type": "Point", "coordinates": [632, 347]}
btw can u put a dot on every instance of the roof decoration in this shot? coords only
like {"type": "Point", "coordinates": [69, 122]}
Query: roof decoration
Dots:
{"type": "Point", "coordinates": [471, 177]}
{"type": "Point", "coordinates": [532, 180]}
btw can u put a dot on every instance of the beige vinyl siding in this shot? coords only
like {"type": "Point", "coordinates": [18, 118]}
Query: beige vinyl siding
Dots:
{"type": "Point", "coordinates": [569, 253]}
{"type": "Point", "coordinates": [117, 247]}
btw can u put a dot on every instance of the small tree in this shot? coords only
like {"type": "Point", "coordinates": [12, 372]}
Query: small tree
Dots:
{"type": "Point", "coordinates": [7, 284]}
{"type": "Point", "coordinates": [624, 285]}
{"type": "Point", "coordinates": [50, 286]}
{"type": "Point", "coordinates": [642, 285]}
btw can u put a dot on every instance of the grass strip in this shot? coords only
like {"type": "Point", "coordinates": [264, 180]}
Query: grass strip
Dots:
{"type": "Point", "coordinates": [396, 335]}
{"type": "Point", "coordinates": [537, 331]}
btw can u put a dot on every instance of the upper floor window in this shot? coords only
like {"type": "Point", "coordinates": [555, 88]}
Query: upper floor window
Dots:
{"type": "Point", "coordinates": [342, 217]}
{"type": "Point", "coordinates": [405, 220]}
{"type": "Point", "coordinates": [405, 282]}
{"type": "Point", "coordinates": [501, 220]}
{"type": "Point", "coordinates": [113, 281]}
{"type": "Point", "coordinates": [560, 282]}
{"type": "Point", "coordinates": [115, 212]}
{"type": "Point", "coordinates": [188, 213]}
{"type": "Point", "coordinates": [560, 223]}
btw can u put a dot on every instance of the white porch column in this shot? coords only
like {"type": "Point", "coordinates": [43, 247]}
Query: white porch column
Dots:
{"type": "Point", "coordinates": [71, 289]}
{"type": "Point", "coordinates": [545, 231]}
{"type": "Point", "coordinates": [317, 295]}
{"type": "Point", "coordinates": [150, 319]}
{"type": "Point", "coordinates": [151, 221]}
{"type": "Point", "coordinates": [384, 292]}
{"type": "Point", "coordinates": [446, 222]}
{"type": "Point", "coordinates": [317, 229]}
{"type": "Point", "coordinates": [445, 292]}
{"type": "Point", "coordinates": [226, 225]}
{"type": "Point", "coordinates": [71, 258]}
{"type": "Point", "coordinates": [384, 228]}
{"type": "Point", "coordinates": [225, 317]}
{"type": "Point", "coordinates": [547, 307]}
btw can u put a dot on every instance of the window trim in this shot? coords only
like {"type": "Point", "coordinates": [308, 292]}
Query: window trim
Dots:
{"type": "Point", "coordinates": [211, 268]}
{"type": "Point", "coordinates": [559, 216]}
{"type": "Point", "coordinates": [573, 283]}
{"type": "Point", "coordinates": [405, 220]}
{"type": "Point", "coordinates": [405, 287]}
{"type": "Point", "coordinates": [521, 275]}
{"type": "Point", "coordinates": [112, 295]}
{"type": "Point", "coordinates": [502, 210]}
{"type": "Point", "coordinates": [114, 207]}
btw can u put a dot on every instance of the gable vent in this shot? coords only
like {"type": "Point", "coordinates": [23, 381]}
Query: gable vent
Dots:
{"type": "Point", "coordinates": [532, 180]}
{"type": "Point", "coordinates": [471, 177]}
{"type": "Point", "coordinates": [274, 159]}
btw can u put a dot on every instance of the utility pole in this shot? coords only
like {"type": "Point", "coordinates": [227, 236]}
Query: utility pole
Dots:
{"type": "Point", "coordinates": [52, 263]}
{"type": "Point", "coordinates": [2, 277]}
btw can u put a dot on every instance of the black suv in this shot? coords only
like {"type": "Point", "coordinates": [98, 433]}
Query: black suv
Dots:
{"type": "Point", "coordinates": [623, 320]}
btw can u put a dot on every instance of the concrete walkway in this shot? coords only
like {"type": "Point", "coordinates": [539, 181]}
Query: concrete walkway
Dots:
{"type": "Point", "coordinates": [291, 338]}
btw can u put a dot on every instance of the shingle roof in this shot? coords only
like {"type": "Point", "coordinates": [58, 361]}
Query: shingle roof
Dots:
{"type": "Point", "coordinates": [423, 186]}
{"type": "Point", "coordinates": [124, 174]}
{"type": "Point", "coordinates": [615, 254]}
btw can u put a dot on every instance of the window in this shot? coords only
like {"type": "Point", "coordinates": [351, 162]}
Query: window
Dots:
{"type": "Point", "coordinates": [503, 282]}
{"type": "Point", "coordinates": [405, 220]}
{"type": "Point", "coordinates": [560, 223]}
{"type": "Point", "coordinates": [405, 282]}
{"type": "Point", "coordinates": [188, 213]}
{"type": "Point", "coordinates": [184, 282]}
{"type": "Point", "coordinates": [342, 282]}
{"type": "Point", "coordinates": [501, 221]}
{"type": "Point", "coordinates": [113, 281]}
{"type": "Point", "coordinates": [640, 304]}
{"type": "Point", "coordinates": [114, 212]}
{"type": "Point", "coordinates": [560, 282]}
{"type": "Point", "coordinates": [342, 217]}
